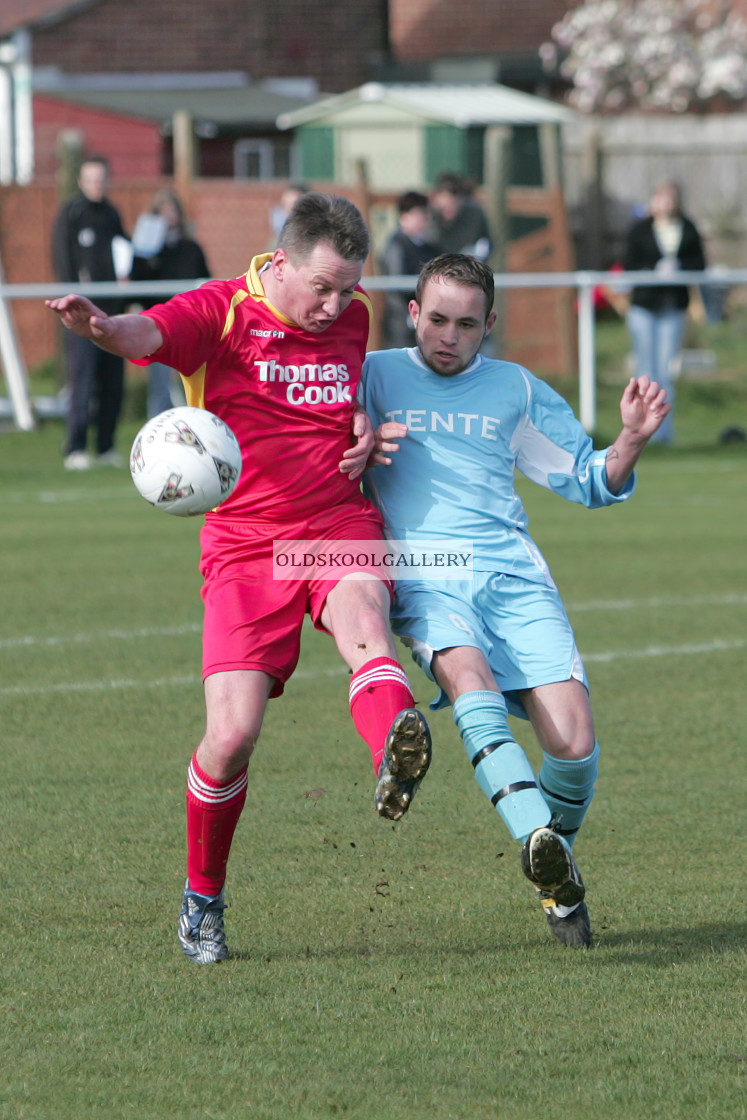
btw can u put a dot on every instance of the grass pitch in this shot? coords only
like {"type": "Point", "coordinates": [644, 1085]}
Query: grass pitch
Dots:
{"type": "Point", "coordinates": [378, 971]}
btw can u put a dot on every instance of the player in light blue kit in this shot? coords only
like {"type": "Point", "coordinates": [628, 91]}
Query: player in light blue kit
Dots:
{"type": "Point", "coordinates": [451, 428]}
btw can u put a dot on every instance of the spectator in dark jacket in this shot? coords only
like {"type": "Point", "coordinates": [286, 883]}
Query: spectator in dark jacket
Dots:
{"type": "Point", "coordinates": [173, 255]}
{"type": "Point", "coordinates": [405, 253]}
{"type": "Point", "coordinates": [84, 232]}
{"type": "Point", "coordinates": [665, 241]}
{"type": "Point", "coordinates": [458, 223]}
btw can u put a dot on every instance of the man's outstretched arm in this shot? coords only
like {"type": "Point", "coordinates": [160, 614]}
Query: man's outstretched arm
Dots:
{"type": "Point", "coordinates": [130, 336]}
{"type": "Point", "coordinates": [643, 407]}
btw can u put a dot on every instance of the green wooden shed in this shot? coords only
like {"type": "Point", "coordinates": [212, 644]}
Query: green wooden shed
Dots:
{"type": "Point", "coordinates": [407, 133]}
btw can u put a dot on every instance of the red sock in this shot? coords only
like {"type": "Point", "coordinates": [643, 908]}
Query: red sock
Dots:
{"type": "Point", "coordinates": [378, 692]}
{"type": "Point", "coordinates": [213, 811]}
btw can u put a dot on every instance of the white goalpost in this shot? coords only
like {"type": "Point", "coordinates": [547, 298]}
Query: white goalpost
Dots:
{"type": "Point", "coordinates": [13, 368]}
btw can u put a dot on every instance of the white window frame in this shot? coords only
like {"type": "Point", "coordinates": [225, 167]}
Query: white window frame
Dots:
{"type": "Point", "coordinates": [266, 151]}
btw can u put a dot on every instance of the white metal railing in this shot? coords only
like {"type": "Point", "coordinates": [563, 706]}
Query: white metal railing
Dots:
{"type": "Point", "coordinates": [585, 282]}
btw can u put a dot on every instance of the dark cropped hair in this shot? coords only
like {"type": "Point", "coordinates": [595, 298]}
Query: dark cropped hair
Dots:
{"type": "Point", "coordinates": [411, 200]}
{"type": "Point", "coordinates": [452, 182]}
{"type": "Point", "coordinates": [462, 269]}
{"type": "Point", "coordinates": [96, 158]}
{"type": "Point", "coordinates": [326, 218]}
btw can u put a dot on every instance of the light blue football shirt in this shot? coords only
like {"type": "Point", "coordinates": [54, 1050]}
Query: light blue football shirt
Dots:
{"type": "Point", "coordinates": [453, 477]}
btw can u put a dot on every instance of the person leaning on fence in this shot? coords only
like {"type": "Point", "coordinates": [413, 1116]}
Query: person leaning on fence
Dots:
{"type": "Point", "coordinates": [665, 241]}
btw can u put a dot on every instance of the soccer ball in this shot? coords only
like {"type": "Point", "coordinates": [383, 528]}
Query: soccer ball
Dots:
{"type": "Point", "coordinates": [185, 461]}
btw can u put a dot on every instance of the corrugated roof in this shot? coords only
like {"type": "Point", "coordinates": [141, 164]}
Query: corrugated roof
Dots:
{"type": "Point", "coordinates": [460, 105]}
{"type": "Point", "coordinates": [251, 105]}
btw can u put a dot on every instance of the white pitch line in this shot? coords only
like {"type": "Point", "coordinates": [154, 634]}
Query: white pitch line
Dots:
{"type": "Point", "coordinates": [65, 497]}
{"type": "Point", "coordinates": [119, 634]}
{"type": "Point", "coordinates": [124, 489]}
{"type": "Point", "coordinates": [699, 649]}
{"type": "Point", "coordinates": [688, 650]}
{"type": "Point", "coordinates": [27, 641]}
{"type": "Point", "coordinates": [737, 599]}
{"type": "Point", "coordinates": [98, 686]}
{"type": "Point", "coordinates": [129, 682]}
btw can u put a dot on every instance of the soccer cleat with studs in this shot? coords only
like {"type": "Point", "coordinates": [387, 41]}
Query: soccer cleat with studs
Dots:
{"type": "Point", "coordinates": [569, 926]}
{"type": "Point", "coordinates": [548, 863]}
{"type": "Point", "coordinates": [407, 756]}
{"type": "Point", "coordinates": [201, 927]}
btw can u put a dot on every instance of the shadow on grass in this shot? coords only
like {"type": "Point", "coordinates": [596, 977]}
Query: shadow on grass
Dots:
{"type": "Point", "coordinates": [375, 952]}
{"type": "Point", "coordinates": [663, 946]}
{"type": "Point", "coordinates": [659, 947]}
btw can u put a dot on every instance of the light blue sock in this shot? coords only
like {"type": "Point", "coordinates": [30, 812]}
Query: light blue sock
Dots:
{"type": "Point", "coordinates": [502, 769]}
{"type": "Point", "coordinates": [568, 787]}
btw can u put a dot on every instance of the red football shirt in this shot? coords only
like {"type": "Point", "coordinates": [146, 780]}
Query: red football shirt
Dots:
{"type": "Point", "coordinates": [287, 394]}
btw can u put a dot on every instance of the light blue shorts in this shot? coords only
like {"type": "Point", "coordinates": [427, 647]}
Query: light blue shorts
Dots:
{"type": "Point", "coordinates": [520, 626]}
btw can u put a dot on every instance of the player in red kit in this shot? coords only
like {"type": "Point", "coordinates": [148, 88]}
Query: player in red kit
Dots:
{"type": "Point", "coordinates": [277, 354]}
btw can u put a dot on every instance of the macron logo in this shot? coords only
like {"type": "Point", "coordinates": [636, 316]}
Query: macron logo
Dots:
{"type": "Point", "coordinates": [266, 334]}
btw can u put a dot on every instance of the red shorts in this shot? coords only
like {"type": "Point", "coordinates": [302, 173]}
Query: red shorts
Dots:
{"type": "Point", "coordinates": [252, 619]}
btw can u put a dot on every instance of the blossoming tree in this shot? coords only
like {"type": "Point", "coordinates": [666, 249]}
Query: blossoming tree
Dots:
{"type": "Point", "coordinates": [666, 55]}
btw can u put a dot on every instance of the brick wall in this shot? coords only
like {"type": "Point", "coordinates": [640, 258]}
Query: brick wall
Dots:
{"type": "Point", "coordinates": [421, 30]}
{"type": "Point", "coordinates": [230, 219]}
{"type": "Point", "coordinates": [325, 40]}
{"type": "Point", "coordinates": [26, 216]}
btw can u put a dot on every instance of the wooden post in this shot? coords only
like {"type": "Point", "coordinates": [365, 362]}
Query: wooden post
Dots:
{"type": "Point", "coordinates": [185, 155]}
{"type": "Point", "coordinates": [591, 177]}
{"type": "Point", "coordinates": [497, 175]}
{"type": "Point", "coordinates": [69, 154]}
{"type": "Point", "coordinates": [377, 300]}
{"type": "Point", "coordinates": [549, 141]}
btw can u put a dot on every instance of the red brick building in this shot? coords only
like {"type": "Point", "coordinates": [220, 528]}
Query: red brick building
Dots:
{"type": "Point", "coordinates": [502, 39]}
{"type": "Point", "coordinates": [113, 73]}
{"type": "Point", "coordinates": [240, 65]}
{"type": "Point", "coordinates": [327, 41]}
{"type": "Point", "coordinates": [235, 67]}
